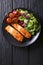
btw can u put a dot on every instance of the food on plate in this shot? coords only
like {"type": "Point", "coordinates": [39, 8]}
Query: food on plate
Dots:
{"type": "Point", "coordinates": [8, 20]}
{"type": "Point", "coordinates": [24, 32]}
{"type": "Point", "coordinates": [25, 23]}
{"type": "Point", "coordinates": [15, 19]}
{"type": "Point", "coordinates": [28, 21]}
{"type": "Point", "coordinates": [15, 12]}
{"type": "Point", "coordinates": [11, 15]}
{"type": "Point", "coordinates": [32, 25]}
{"type": "Point", "coordinates": [14, 33]}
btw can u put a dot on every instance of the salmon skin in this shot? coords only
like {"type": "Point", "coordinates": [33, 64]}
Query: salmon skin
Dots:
{"type": "Point", "coordinates": [14, 33]}
{"type": "Point", "coordinates": [23, 31]}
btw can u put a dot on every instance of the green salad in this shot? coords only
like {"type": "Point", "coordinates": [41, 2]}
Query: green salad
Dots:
{"type": "Point", "coordinates": [28, 21]}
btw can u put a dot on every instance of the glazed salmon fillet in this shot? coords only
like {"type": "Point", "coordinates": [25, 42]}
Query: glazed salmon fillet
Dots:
{"type": "Point", "coordinates": [14, 33]}
{"type": "Point", "coordinates": [23, 31]}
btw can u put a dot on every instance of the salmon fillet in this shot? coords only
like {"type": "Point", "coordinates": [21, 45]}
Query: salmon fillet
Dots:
{"type": "Point", "coordinates": [23, 31]}
{"type": "Point", "coordinates": [14, 33]}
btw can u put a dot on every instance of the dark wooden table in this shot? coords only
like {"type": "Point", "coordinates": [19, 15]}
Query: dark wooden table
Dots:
{"type": "Point", "coordinates": [11, 55]}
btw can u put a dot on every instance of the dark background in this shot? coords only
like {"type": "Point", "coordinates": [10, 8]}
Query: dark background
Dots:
{"type": "Point", "coordinates": [11, 55]}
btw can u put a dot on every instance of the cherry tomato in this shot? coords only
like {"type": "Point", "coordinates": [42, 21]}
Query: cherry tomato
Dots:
{"type": "Point", "coordinates": [8, 20]}
{"type": "Point", "coordinates": [15, 20]}
{"type": "Point", "coordinates": [11, 15]}
{"type": "Point", "coordinates": [16, 16]}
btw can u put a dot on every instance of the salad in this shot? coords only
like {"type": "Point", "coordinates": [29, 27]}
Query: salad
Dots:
{"type": "Point", "coordinates": [24, 18]}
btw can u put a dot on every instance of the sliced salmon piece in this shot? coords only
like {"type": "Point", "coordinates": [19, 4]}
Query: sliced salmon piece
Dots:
{"type": "Point", "coordinates": [14, 33]}
{"type": "Point", "coordinates": [23, 31]}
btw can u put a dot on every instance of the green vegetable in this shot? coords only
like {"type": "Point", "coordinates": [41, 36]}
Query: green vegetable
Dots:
{"type": "Point", "coordinates": [26, 12]}
{"type": "Point", "coordinates": [31, 14]}
{"type": "Point", "coordinates": [21, 18]}
{"type": "Point", "coordinates": [31, 23]}
{"type": "Point", "coordinates": [26, 27]}
{"type": "Point", "coordinates": [30, 26]}
{"type": "Point", "coordinates": [33, 33]}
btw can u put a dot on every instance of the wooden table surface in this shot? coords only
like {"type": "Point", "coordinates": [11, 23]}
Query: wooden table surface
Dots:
{"type": "Point", "coordinates": [11, 55]}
